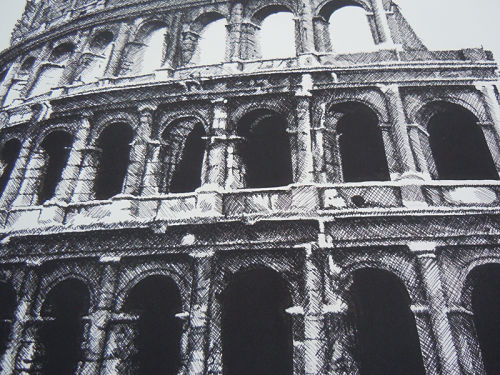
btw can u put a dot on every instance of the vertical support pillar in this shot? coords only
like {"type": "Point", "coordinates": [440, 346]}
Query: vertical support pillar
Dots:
{"type": "Point", "coordinates": [423, 155]}
{"type": "Point", "coordinates": [151, 181]}
{"type": "Point", "coordinates": [249, 48]}
{"type": "Point", "coordinates": [198, 332]}
{"type": "Point", "coordinates": [426, 338]}
{"type": "Point", "coordinates": [304, 162]}
{"type": "Point", "coordinates": [491, 133]}
{"type": "Point", "coordinates": [139, 150]}
{"type": "Point", "coordinates": [189, 42]}
{"type": "Point", "coordinates": [317, 147]}
{"type": "Point", "coordinates": [233, 48]}
{"type": "Point", "coordinates": [72, 65]}
{"type": "Point", "coordinates": [430, 273]}
{"type": "Point", "coordinates": [118, 49]}
{"type": "Point", "coordinates": [305, 38]}
{"type": "Point", "coordinates": [322, 41]}
{"type": "Point", "coordinates": [84, 189]}
{"type": "Point", "coordinates": [100, 319]}
{"type": "Point", "coordinates": [314, 343]}
{"type": "Point", "coordinates": [66, 186]}
{"type": "Point", "coordinates": [396, 110]}
{"type": "Point", "coordinates": [383, 30]}
{"type": "Point", "coordinates": [23, 313]}
{"type": "Point", "coordinates": [9, 79]}
{"type": "Point", "coordinates": [29, 186]}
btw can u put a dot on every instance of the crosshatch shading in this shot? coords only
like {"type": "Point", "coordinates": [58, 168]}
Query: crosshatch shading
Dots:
{"type": "Point", "coordinates": [165, 210]}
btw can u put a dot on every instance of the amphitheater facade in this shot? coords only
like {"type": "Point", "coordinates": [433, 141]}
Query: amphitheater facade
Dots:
{"type": "Point", "coordinates": [323, 213]}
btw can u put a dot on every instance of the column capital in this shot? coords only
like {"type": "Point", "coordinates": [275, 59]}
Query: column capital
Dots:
{"type": "Point", "coordinates": [305, 87]}
{"type": "Point", "coordinates": [147, 108]}
{"type": "Point", "coordinates": [110, 259]}
{"type": "Point", "coordinates": [202, 254]}
{"type": "Point", "coordinates": [423, 249]}
{"type": "Point", "coordinates": [388, 88]}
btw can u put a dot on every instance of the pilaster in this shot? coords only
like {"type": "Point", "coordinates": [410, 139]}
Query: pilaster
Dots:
{"type": "Point", "coordinates": [233, 50]}
{"type": "Point", "coordinates": [84, 189]}
{"type": "Point", "coordinates": [383, 30]}
{"type": "Point", "coordinates": [9, 79]}
{"type": "Point", "coordinates": [29, 187]}
{"type": "Point", "coordinates": [118, 50]}
{"type": "Point", "coordinates": [425, 253]}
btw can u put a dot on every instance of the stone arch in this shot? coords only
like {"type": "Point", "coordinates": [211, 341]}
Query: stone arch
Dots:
{"type": "Point", "coordinates": [266, 151]}
{"type": "Point", "coordinates": [27, 64]}
{"type": "Point", "coordinates": [156, 335]}
{"type": "Point", "coordinates": [147, 46]}
{"type": "Point", "coordinates": [281, 107]}
{"type": "Point", "coordinates": [326, 7]}
{"type": "Point", "coordinates": [452, 128]}
{"type": "Point", "coordinates": [480, 296]}
{"type": "Point", "coordinates": [182, 156]}
{"type": "Point", "coordinates": [105, 120]}
{"type": "Point", "coordinates": [94, 61]}
{"type": "Point", "coordinates": [353, 144]}
{"type": "Point", "coordinates": [63, 332]}
{"type": "Point", "coordinates": [392, 343]}
{"type": "Point", "coordinates": [267, 43]}
{"type": "Point", "coordinates": [114, 143]}
{"type": "Point", "coordinates": [256, 333]}
{"type": "Point", "coordinates": [210, 47]}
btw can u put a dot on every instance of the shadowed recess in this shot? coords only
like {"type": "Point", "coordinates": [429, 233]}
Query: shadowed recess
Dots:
{"type": "Point", "coordinates": [266, 150]}
{"type": "Point", "coordinates": [56, 147]}
{"type": "Point", "coordinates": [386, 330]}
{"type": "Point", "coordinates": [62, 333]}
{"type": "Point", "coordinates": [156, 300]}
{"type": "Point", "coordinates": [8, 155]}
{"type": "Point", "coordinates": [187, 175]}
{"type": "Point", "coordinates": [486, 308]}
{"type": "Point", "coordinates": [256, 332]}
{"type": "Point", "coordinates": [7, 306]}
{"type": "Point", "coordinates": [458, 145]}
{"type": "Point", "coordinates": [114, 142]}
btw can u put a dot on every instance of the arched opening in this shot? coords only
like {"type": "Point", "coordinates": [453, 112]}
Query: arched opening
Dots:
{"type": "Point", "coordinates": [51, 74]}
{"type": "Point", "coordinates": [56, 147]}
{"type": "Point", "coordinates": [156, 300]}
{"type": "Point", "coordinates": [256, 331]}
{"type": "Point", "coordinates": [357, 137]}
{"type": "Point", "coordinates": [486, 308]}
{"type": "Point", "coordinates": [8, 157]}
{"type": "Point", "coordinates": [114, 143]}
{"type": "Point", "coordinates": [211, 47]}
{"type": "Point", "coordinates": [8, 303]}
{"type": "Point", "coordinates": [27, 64]}
{"type": "Point", "coordinates": [386, 331]}
{"type": "Point", "coordinates": [266, 150]}
{"type": "Point", "coordinates": [187, 174]}
{"type": "Point", "coordinates": [458, 145]}
{"type": "Point", "coordinates": [62, 333]}
{"type": "Point", "coordinates": [94, 63]}
{"type": "Point", "coordinates": [348, 27]}
{"type": "Point", "coordinates": [276, 37]}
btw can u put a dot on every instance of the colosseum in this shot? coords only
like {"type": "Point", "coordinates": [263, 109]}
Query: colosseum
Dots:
{"type": "Point", "coordinates": [180, 202]}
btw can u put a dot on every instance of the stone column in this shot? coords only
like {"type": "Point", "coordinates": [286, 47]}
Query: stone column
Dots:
{"type": "Point", "coordinates": [22, 316]}
{"type": "Point", "coordinates": [492, 141]}
{"type": "Point", "coordinates": [304, 164]}
{"type": "Point", "coordinates": [120, 346]}
{"type": "Point", "coordinates": [29, 187]}
{"type": "Point", "coordinates": [305, 37]}
{"type": "Point", "coordinates": [419, 139]}
{"type": "Point", "coordinates": [84, 189]}
{"type": "Point", "coordinates": [16, 178]}
{"type": "Point", "coordinates": [314, 342]}
{"type": "Point", "coordinates": [234, 33]}
{"type": "Point", "coordinates": [383, 30]}
{"type": "Point", "coordinates": [322, 39]}
{"type": "Point", "coordinates": [198, 329]}
{"type": "Point", "coordinates": [66, 186]}
{"type": "Point", "coordinates": [9, 79]}
{"type": "Point", "coordinates": [317, 147]}
{"type": "Point", "coordinates": [139, 150]}
{"type": "Point", "coordinates": [464, 332]}
{"type": "Point", "coordinates": [426, 338]}
{"type": "Point", "coordinates": [398, 118]}
{"type": "Point", "coordinates": [100, 319]}
{"type": "Point", "coordinates": [431, 278]}
{"type": "Point", "coordinates": [393, 162]}
{"type": "Point", "coordinates": [189, 43]}
{"type": "Point", "coordinates": [152, 175]}
{"type": "Point", "coordinates": [249, 48]}
{"type": "Point", "coordinates": [118, 49]}
{"type": "Point", "coordinates": [73, 62]}
{"type": "Point", "coordinates": [491, 133]}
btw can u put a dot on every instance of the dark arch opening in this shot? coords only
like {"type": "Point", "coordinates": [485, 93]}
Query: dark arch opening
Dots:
{"type": "Point", "coordinates": [486, 309]}
{"type": "Point", "coordinates": [156, 299]}
{"type": "Point", "coordinates": [56, 147]}
{"type": "Point", "coordinates": [256, 331]}
{"type": "Point", "coordinates": [458, 145]}
{"type": "Point", "coordinates": [266, 150]}
{"type": "Point", "coordinates": [114, 142]}
{"type": "Point", "coordinates": [8, 303]}
{"type": "Point", "coordinates": [28, 63]}
{"type": "Point", "coordinates": [61, 52]}
{"type": "Point", "coordinates": [101, 41]}
{"type": "Point", "coordinates": [8, 155]}
{"type": "Point", "coordinates": [62, 333]}
{"type": "Point", "coordinates": [360, 142]}
{"type": "Point", "coordinates": [386, 330]}
{"type": "Point", "coordinates": [187, 175]}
